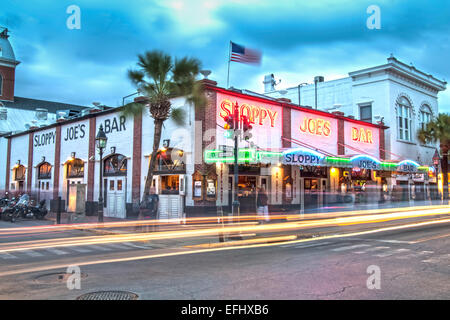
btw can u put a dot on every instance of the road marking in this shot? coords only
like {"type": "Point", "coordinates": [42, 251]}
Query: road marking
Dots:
{"type": "Point", "coordinates": [372, 249]}
{"type": "Point", "coordinates": [387, 241]}
{"type": "Point", "coordinates": [432, 238]}
{"type": "Point", "coordinates": [390, 253]}
{"type": "Point", "coordinates": [117, 246]}
{"type": "Point", "coordinates": [56, 251]}
{"type": "Point", "coordinates": [32, 253]}
{"type": "Point", "coordinates": [437, 259]}
{"type": "Point", "coordinates": [351, 247]}
{"type": "Point", "coordinates": [101, 248]}
{"type": "Point", "coordinates": [296, 245]}
{"type": "Point", "coordinates": [5, 255]}
{"type": "Point", "coordinates": [415, 255]}
{"type": "Point", "coordinates": [80, 249]}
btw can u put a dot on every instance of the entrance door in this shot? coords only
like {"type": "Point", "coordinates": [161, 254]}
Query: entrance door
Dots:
{"type": "Point", "coordinates": [311, 189]}
{"type": "Point", "coordinates": [69, 182]}
{"type": "Point", "coordinates": [115, 197]}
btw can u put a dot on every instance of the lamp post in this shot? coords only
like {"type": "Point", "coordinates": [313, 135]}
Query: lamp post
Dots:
{"type": "Point", "coordinates": [299, 87]}
{"type": "Point", "coordinates": [101, 140]}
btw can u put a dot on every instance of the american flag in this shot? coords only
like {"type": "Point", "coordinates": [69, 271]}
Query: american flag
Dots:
{"type": "Point", "coordinates": [244, 55]}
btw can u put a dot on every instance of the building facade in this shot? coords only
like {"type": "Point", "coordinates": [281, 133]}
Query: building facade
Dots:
{"type": "Point", "coordinates": [300, 156]}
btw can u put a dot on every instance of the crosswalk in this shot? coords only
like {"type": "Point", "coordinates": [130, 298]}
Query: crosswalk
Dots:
{"type": "Point", "coordinates": [70, 250]}
{"type": "Point", "coordinates": [389, 249]}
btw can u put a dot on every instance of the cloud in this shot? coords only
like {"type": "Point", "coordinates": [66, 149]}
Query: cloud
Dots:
{"type": "Point", "coordinates": [299, 39]}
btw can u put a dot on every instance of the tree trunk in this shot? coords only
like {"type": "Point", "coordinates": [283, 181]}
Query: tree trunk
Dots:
{"type": "Point", "coordinates": [444, 165]}
{"type": "Point", "coordinates": [151, 167]}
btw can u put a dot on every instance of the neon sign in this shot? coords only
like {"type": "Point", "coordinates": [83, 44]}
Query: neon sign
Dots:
{"type": "Point", "coordinates": [316, 126]}
{"type": "Point", "coordinates": [362, 135]}
{"type": "Point", "coordinates": [256, 114]}
{"type": "Point", "coordinates": [303, 156]}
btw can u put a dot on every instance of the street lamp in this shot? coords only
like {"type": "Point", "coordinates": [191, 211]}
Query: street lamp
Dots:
{"type": "Point", "coordinates": [299, 87]}
{"type": "Point", "coordinates": [101, 140]}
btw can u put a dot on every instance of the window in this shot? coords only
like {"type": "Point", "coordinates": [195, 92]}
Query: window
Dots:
{"type": "Point", "coordinates": [45, 171]}
{"type": "Point", "coordinates": [75, 168]}
{"type": "Point", "coordinates": [19, 173]}
{"type": "Point", "coordinates": [404, 119]}
{"type": "Point", "coordinates": [425, 116]}
{"type": "Point", "coordinates": [115, 165]}
{"type": "Point", "coordinates": [3, 113]}
{"type": "Point", "coordinates": [1, 83]}
{"type": "Point", "coordinates": [365, 113]}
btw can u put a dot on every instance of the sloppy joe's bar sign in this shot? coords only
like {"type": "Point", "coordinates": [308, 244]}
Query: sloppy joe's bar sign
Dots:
{"type": "Point", "coordinates": [44, 139]}
{"type": "Point", "coordinates": [257, 114]}
{"type": "Point", "coordinates": [301, 156]}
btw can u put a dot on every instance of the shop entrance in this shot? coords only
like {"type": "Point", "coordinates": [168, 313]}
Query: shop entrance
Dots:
{"type": "Point", "coordinates": [115, 198]}
{"type": "Point", "coordinates": [314, 189]}
{"type": "Point", "coordinates": [247, 190]}
{"type": "Point", "coordinates": [115, 173]}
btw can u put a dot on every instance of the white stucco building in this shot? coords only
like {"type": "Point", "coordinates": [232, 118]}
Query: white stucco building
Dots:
{"type": "Point", "coordinates": [400, 95]}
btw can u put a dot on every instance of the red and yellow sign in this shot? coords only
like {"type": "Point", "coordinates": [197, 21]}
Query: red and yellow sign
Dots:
{"type": "Point", "coordinates": [256, 114]}
{"type": "Point", "coordinates": [319, 127]}
{"type": "Point", "coordinates": [362, 135]}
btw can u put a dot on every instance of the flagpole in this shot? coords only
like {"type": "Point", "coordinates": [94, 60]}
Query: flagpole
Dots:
{"type": "Point", "coordinates": [229, 60]}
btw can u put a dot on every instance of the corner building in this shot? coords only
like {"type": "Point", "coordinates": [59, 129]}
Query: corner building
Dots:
{"type": "Point", "coordinates": [301, 157]}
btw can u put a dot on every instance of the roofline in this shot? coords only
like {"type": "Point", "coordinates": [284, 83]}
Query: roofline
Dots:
{"type": "Point", "coordinates": [61, 123]}
{"type": "Point", "coordinates": [401, 67]}
{"type": "Point", "coordinates": [291, 106]}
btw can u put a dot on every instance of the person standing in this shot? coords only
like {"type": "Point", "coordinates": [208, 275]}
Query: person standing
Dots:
{"type": "Point", "coordinates": [262, 204]}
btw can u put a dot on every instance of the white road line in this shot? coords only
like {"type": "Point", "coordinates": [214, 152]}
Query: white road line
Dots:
{"type": "Point", "coordinates": [80, 249]}
{"type": "Point", "coordinates": [32, 253]}
{"type": "Point", "coordinates": [296, 245]}
{"type": "Point", "coordinates": [5, 255]}
{"type": "Point", "coordinates": [390, 253]}
{"type": "Point", "coordinates": [438, 258]}
{"type": "Point", "coordinates": [101, 248]}
{"type": "Point", "coordinates": [371, 249]}
{"type": "Point", "coordinates": [387, 241]}
{"type": "Point", "coordinates": [351, 247]}
{"type": "Point", "coordinates": [415, 255]}
{"type": "Point", "coordinates": [56, 251]}
{"type": "Point", "coordinates": [117, 246]}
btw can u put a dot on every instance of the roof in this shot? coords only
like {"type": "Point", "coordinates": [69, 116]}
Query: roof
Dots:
{"type": "Point", "coordinates": [6, 50]}
{"type": "Point", "coordinates": [32, 104]}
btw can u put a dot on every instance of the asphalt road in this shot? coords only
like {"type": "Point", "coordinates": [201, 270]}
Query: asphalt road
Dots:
{"type": "Point", "coordinates": [414, 263]}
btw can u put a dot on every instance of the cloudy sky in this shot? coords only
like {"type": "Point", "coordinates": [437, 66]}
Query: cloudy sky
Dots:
{"type": "Point", "coordinates": [299, 40]}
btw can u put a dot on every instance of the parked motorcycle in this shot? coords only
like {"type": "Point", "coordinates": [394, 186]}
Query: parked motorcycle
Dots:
{"type": "Point", "coordinates": [8, 211]}
{"type": "Point", "coordinates": [38, 212]}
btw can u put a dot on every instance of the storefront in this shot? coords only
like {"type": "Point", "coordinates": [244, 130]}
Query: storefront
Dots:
{"type": "Point", "coordinates": [299, 156]}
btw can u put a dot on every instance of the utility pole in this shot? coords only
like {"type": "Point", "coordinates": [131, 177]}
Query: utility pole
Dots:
{"type": "Point", "coordinates": [236, 204]}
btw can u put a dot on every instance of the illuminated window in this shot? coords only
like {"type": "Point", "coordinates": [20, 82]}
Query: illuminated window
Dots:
{"type": "Point", "coordinates": [75, 168]}
{"type": "Point", "coordinates": [115, 165]}
{"type": "Point", "coordinates": [45, 171]}
{"type": "Point", "coordinates": [404, 119]}
{"type": "Point", "coordinates": [19, 173]}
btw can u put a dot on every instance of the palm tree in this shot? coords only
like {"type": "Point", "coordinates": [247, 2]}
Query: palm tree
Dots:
{"type": "Point", "coordinates": [439, 130]}
{"type": "Point", "coordinates": [160, 78]}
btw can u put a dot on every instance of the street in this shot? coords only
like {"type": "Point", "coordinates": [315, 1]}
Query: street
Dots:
{"type": "Point", "coordinates": [413, 262]}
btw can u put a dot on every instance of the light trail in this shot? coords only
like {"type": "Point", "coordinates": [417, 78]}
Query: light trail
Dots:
{"type": "Point", "coordinates": [221, 230]}
{"type": "Point", "coordinates": [203, 220]}
{"type": "Point", "coordinates": [170, 254]}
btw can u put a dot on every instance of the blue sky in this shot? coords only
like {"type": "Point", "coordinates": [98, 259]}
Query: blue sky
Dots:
{"type": "Point", "coordinates": [299, 40]}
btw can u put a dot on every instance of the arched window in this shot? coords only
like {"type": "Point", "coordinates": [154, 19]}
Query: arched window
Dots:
{"type": "Point", "coordinates": [44, 171]}
{"type": "Point", "coordinates": [425, 115]}
{"type": "Point", "coordinates": [19, 173]}
{"type": "Point", "coordinates": [75, 168]}
{"type": "Point", "coordinates": [115, 165]}
{"type": "Point", "coordinates": [404, 119]}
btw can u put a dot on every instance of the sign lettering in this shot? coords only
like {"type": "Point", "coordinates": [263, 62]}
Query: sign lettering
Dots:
{"type": "Point", "coordinates": [256, 114]}
{"type": "Point", "coordinates": [316, 126]}
{"type": "Point", "coordinates": [44, 139]}
{"type": "Point", "coordinates": [75, 132]}
{"type": "Point", "coordinates": [362, 135]}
